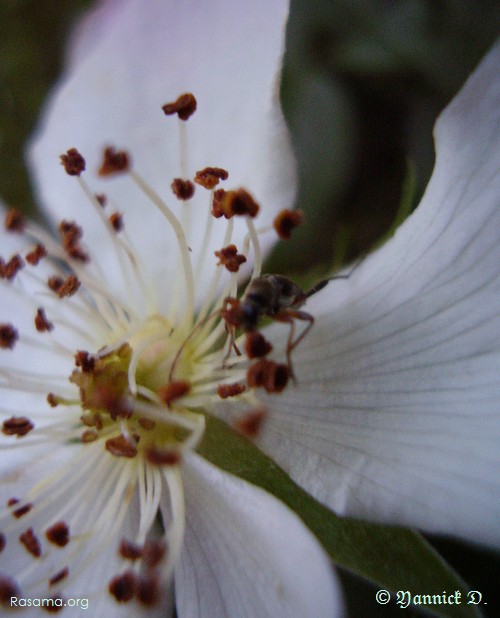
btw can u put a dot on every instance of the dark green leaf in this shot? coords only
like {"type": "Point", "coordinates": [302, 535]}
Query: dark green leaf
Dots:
{"type": "Point", "coordinates": [393, 558]}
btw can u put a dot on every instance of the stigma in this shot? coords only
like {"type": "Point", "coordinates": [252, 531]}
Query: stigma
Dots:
{"type": "Point", "coordinates": [137, 375]}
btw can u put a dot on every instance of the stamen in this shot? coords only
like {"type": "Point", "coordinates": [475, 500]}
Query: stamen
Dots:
{"type": "Point", "coordinates": [8, 336]}
{"type": "Point", "coordinates": [184, 106]}
{"type": "Point", "coordinates": [14, 220]}
{"type": "Point", "coordinates": [209, 177]}
{"type": "Point", "coordinates": [17, 426]}
{"type": "Point", "coordinates": [286, 222]}
{"type": "Point", "coordinates": [182, 189]}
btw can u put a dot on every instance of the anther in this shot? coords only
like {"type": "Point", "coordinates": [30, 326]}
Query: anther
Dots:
{"type": "Point", "coordinates": [8, 589]}
{"type": "Point", "coordinates": [129, 550]}
{"type": "Point", "coordinates": [116, 221]}
{"type": "Point", "coordinates": [230, 390]}
{"type": "Point", "coordinates": [41, 323]}
{"type": "Point", "coordinates": [250, 423]}
{"type": "Point", "coordinates": [30, 541]}
{"type": "Point", "coordinates": [21, 510]}
{"type": "Point", "coordinates": [271, 376]}
{"type": "Point", "coordinates": [102, 200]}
{"type": "Point", "coordinates": [184, 106]}
{"type": "Point", "coordinates": [114, 162]}
{"type": "Point", "coordinates": [12, 267]}
{"type": "Point", "coordinates": [64, 287]}
{"type": "Point", "coordinates": [209, 177]}
{"type": "Point", "coordinates": [58, 534]}
{"type": "Point", "coordinates": [121, 447]}
{"type": "Point", "coordinates": [217, 203]}
{"type": "Point", "coordinates": [73, 162]}
{"type": "Point", "coordinates": [89, 435]}
{"type": "Point", "coordinates": [59, 576]}
{"type": "Point", "coordinates": [154, 551]}
{"type": "Point", "coordinates": [70, 235]}
{"type": "Point", "coordinates": [256, 345]}
{"type": "Point", "coordinates": [286, 221]}
{"type": "Point", "coordinates": [84, 360]}
{"type": "Point", "coordinates": [148, 591]}
{"type": "Point", "coordinates": [182, 189]}
{"type": "Point", "coordinates": [14, 220]}
{"type": "Point", "coordinates": [55, 606]}
{"type": "Point", "coordinates": [238, 202]}
{"type": "Point", "coordinates": [35, 255]}
{"type": "Point", "coordinates": [162, 456]}
{"type": "Point", "coordinates": [8, 336]}
{"type": "Point", "coordinates": [3, 542]}
{"type": "Point", "coordinates": [123, 587]}
{"type": "Point", "coordinates": [174, 390]}
{"type": "Point", "coordinates": [230, 258]}
{"type": "Point", "coordinates": [53, 400]}
{"type": "Point", "coordinates": [17, 426]}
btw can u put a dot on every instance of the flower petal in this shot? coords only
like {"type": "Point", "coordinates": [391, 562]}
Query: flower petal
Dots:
{"type": "Point", "coordinates": [246, 554]}
{"type": "Point", "coordinates": [395, 416]}
{"type": "Point", "coordinates": [229, 57]}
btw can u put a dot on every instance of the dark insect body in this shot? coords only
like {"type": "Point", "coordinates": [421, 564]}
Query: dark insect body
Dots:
{"type": "Point", "coordinates": [275, 297]}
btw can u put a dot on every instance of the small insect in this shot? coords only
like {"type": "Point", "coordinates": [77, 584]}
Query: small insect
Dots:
{"type": "Point", "coordinates": [276, 297]}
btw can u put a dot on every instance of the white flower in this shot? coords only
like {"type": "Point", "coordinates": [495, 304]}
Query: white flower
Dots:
{"type": "Point", "coordinates": [395, 412]}
{"type": "Point", "coordinates": [101, 394]}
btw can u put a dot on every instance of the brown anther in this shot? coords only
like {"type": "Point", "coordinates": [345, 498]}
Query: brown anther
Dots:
{"type": "Point", "coordinates": [146, 423]}
{"type": "Point", "coordinates": [149, 591]}
{"type": "Point", "coordinates": [129, 550]}
{"type": "Point", "coordinates": [174, 390]}
{"type": "Point", "coordinates": [154, 551]}
{"type": "Point", "coordinates": [101, 199]}
{"type": "Point", "coordinates": [52, 400]}
{"type": "Point", "coordinates": [114, 162]}
{"type": "Point", "coordinates": [184, 106]}
{"type": "Point", "coordinates": [85, 360]}
{"type": "Point", "coordinates": [3, 542]}
{"type": "Point", "coordinates": [89, 435]}
{"type": "Point", "coordinates": [250, 423]}
{"type": "Point", "coordinates": [230, 258]}
{"type": "Point", "coordinates": [182, 189]}
{"type": "Point", "coordinates": [41, 323]}
{"type": "Point", "coordinates": [217, 203]}
{"type": "Point", "coordinates": [14, 220]}
{"type": "Point", "coordinates": [36, 254]}
{"type": "Point", "coordinates": [59, 576]}
{"type": "Point", "coordinates": [116, 221]}
{"type": "Point", "coordinates": [22, 510]}
{"type": "Point", "coordinates": [273, 377]}
{"type": "Point", "coordinates": [73, 162]}
{"type": "Point", "coordinates": [64, 287]}
{"type": "Point", "coordinates": [121, 447]}
{"type": "Point", "coordinates": [58, 534]}
{"type": "Point", "coordinates": [70, 236]}
{"type": "Point", "coordinates": [162, 456]}
{"type": "Point", "coordinates": [17, 426]}
{"type": "Point", "coordinates": [238, 203]}
{"type": "Point", "coordinates": [209, 177]}
{"type": "Point", "coordinates": [123, 587]}
{"type": "Point", "coordinates": [286, 221]}
{"type": "Point", "coordinates": [256, 345]}
{"type": "Point", "coordinates": [55, 605]}
{"type": "Point", "coordinates": [30, 541]}
{"type": "Point", "coordinates": [12, 267]}
{"type": "Point", "coordinates": [8, 336]}
{"type": "Point", "coordinates": [230, 390]}
{"type": "Point", "coordinates": [8, 589]}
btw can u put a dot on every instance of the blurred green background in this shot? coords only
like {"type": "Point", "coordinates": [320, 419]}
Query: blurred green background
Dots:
{"type": "Point", "coordinates": [363, 83]}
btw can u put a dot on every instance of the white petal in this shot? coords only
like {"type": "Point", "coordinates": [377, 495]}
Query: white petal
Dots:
{"type": "Point", "coordinates": [396, 414]}
{"type": "Point", "coordinates": [229, 56]}
{"type": "Point", "coordinates": [248, 555]}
